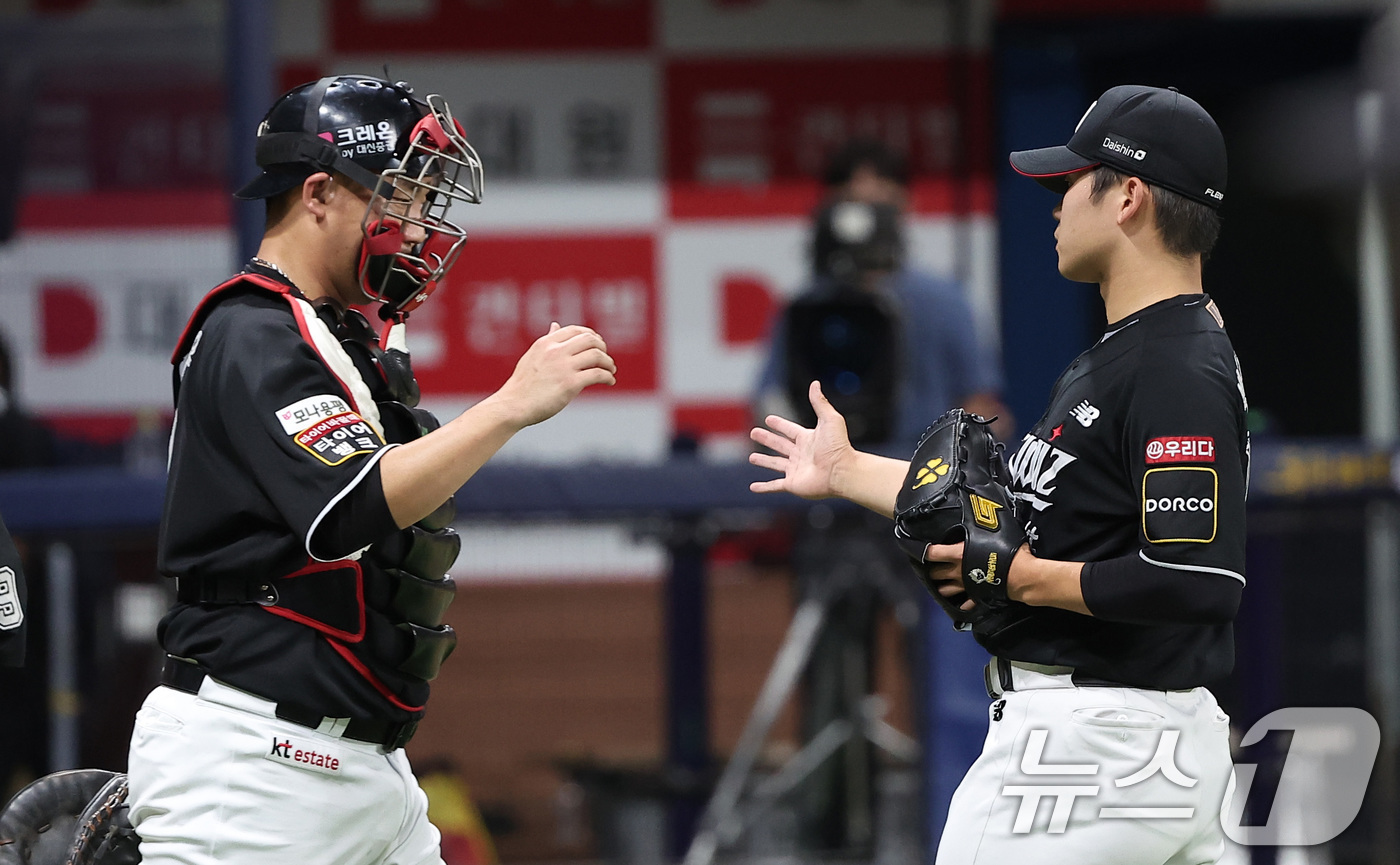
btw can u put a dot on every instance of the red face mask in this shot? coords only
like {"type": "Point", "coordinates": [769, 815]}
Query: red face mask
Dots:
{"type": "Point", "coordinates": [439, 168]}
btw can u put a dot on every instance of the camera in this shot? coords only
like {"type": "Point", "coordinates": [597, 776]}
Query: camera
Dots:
{"type": "Point", "coordinates": [844, 331]}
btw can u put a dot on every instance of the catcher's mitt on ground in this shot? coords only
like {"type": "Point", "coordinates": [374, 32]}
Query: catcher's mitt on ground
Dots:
{"type": "Point", "coordinates": [69, 818]}
{"type": "Point", "coordinates": [956, 491]}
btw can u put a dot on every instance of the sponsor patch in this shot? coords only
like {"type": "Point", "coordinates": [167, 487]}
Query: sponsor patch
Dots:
{"type": "Point", "coordinates": [313, 756]}
{"type": "Point", "coordinates": [11, 613]}
{"type": "Point", "coordinates": [1119, 144]}
{"type": "Point", "coordinates": [303, 413]}
{"type": "Point", "coordinates": [367, 138]}
{"type": "Point", "coordinates": [337, 439]}
{"type": "Point", "coordinates": [1181, 449]}
{"type": "Point", "coordinates": [1179, 504]}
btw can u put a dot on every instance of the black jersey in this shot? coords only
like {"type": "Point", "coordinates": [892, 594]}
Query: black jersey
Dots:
{"type": "Point", "coordinates": [13, 597]}
{"type": "Point", "coordinates": [1142, 453]}
{"type": "Point", "coordinates": [273, 427]}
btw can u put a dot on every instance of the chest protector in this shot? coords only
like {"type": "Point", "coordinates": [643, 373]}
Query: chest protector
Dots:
{"type": "Point", "coordinates": [384, 606]}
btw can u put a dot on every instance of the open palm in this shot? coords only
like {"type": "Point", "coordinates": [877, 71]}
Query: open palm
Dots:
{"type": "Point", "coordinates": [808, 459]}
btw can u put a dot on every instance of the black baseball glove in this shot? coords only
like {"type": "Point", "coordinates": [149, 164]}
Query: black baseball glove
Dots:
{"type": "Point", "coordinates": [69, 818]}
{"type": "Point", "coordinates": [956, 490]}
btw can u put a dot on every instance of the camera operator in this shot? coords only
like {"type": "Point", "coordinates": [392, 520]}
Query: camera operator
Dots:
{"type": "Point", "coordinates": [941, 361]}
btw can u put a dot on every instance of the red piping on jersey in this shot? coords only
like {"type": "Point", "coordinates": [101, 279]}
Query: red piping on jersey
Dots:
{"type": "Point", "coordinates": [379, 686]}
{"type": "Point", "coordinates": [317, 567]}
{"type": "Point", "coordinates": [306, 335]}
{"type": "Point", "coordinates": [207, 305]}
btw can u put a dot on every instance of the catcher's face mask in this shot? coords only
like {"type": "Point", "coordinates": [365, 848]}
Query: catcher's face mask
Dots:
{"type": "Point", "coordinates": [437, 168]}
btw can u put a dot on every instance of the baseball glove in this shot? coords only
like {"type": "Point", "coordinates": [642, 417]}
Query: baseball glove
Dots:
{"type": "Point", "coordinates": [956, 490]}
{"type": "Point", "coordinates": [105, 836]}
{"type": "Point", "coordinates": [69, 818]}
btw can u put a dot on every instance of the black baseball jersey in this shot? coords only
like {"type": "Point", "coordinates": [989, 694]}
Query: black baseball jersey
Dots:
{"type": "Point", "coordinates": [272, 430]}
{"type": "Point", "coordinates": [13, 598]}
{"type": "Point", "coordinates": [1140, 464]}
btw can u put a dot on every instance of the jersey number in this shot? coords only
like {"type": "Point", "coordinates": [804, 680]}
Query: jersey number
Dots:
{"type": "Point", "coordinates": [11, 613]}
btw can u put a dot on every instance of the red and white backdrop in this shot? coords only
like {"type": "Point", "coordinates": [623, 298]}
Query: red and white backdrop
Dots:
{"type": "Point", "coordinates": [650, 173]}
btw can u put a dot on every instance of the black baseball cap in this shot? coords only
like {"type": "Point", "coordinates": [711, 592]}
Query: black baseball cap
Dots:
{"type": "Point", "coordinates": [1162, 136]}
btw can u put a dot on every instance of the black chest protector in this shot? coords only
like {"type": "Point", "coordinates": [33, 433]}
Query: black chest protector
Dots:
{"type": "Point", "coordinates": [412, 562]}
{"type": "Point", "coordinates": [383, 608]}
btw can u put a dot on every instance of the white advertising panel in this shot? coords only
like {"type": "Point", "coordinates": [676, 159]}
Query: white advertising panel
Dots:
{"type": "Point", "coordinates": [540, 118]}
{"type": "Point", "coordinates": [750, 26]}
{"type": "Point", "coordinates": [91, 318]}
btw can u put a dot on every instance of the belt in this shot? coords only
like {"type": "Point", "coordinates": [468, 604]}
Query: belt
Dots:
{"type": "Point", "coordinates": [186, 676]}
{"type": "Point", "coordinates": [1001, 676]}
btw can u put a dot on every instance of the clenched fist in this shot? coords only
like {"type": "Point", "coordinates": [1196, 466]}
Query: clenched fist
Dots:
{"type": "Point", "coordinates": [553, 371]}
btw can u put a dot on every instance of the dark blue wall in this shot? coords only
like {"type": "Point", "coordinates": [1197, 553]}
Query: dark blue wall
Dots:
{"type": "Point", "coordinates": [1047, 320]}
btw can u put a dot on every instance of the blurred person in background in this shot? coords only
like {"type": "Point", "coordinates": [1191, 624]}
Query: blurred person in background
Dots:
{"type": "Point", "coordinates": [952, 365]}
{"type": "Point", "coordinates": [311, 588]}
{"type": "Point", "coordinates": [895, 346]}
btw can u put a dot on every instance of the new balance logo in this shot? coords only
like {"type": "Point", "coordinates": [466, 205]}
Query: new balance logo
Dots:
{"type": "Point", "coordinates": [1085, 413]}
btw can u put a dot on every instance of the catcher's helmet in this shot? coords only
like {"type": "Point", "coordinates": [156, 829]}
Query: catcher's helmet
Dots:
{"type": "Point", "coordinates": [381, 136]}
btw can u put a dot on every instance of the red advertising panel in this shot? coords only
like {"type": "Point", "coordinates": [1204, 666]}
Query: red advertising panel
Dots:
{"type": "Point", "coordinates": [506, 291]}
{"type": "Point", "coordinates": [737, 126]}
{"type": "Point", "coordinates": [95, 129]}
{"type": "Point", "coordinates": [1063, 9]}
{"type": "Point", "coordinates": [754, 121]}
{"type": "Point", "coordinates": [411, 26]}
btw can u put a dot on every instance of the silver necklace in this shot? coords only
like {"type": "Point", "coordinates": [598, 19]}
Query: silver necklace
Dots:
{"type": "Point", "coordinates": [262, 262]}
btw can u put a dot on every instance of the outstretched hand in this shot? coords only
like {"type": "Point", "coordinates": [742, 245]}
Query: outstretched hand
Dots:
{"type": "Point", "coordinates": [810, 460]}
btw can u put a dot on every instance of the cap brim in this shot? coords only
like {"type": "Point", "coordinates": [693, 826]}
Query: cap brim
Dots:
{"type": "Point", "coordinates": [1050, 166]}
{"type": "Point", "coordinates": [274, 180]}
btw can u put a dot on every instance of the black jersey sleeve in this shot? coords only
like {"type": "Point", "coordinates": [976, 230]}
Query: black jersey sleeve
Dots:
{"type": "Point", "coordinates": [289, 421]}
{"type": "Point", "coordinates": [362, 513]}
{"type": "Point", "coordinates": [1186, 452]}
{"type": "Point", "coordinates": [1128, 589]}
{"type": "Point", "coordinates": [13, 598]}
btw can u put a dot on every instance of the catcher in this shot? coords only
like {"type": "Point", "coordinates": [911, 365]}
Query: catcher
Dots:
{"type": "Point", "coordinates": [308, 506]}
{"type": "Point", "coordinates": [1102, 563]}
